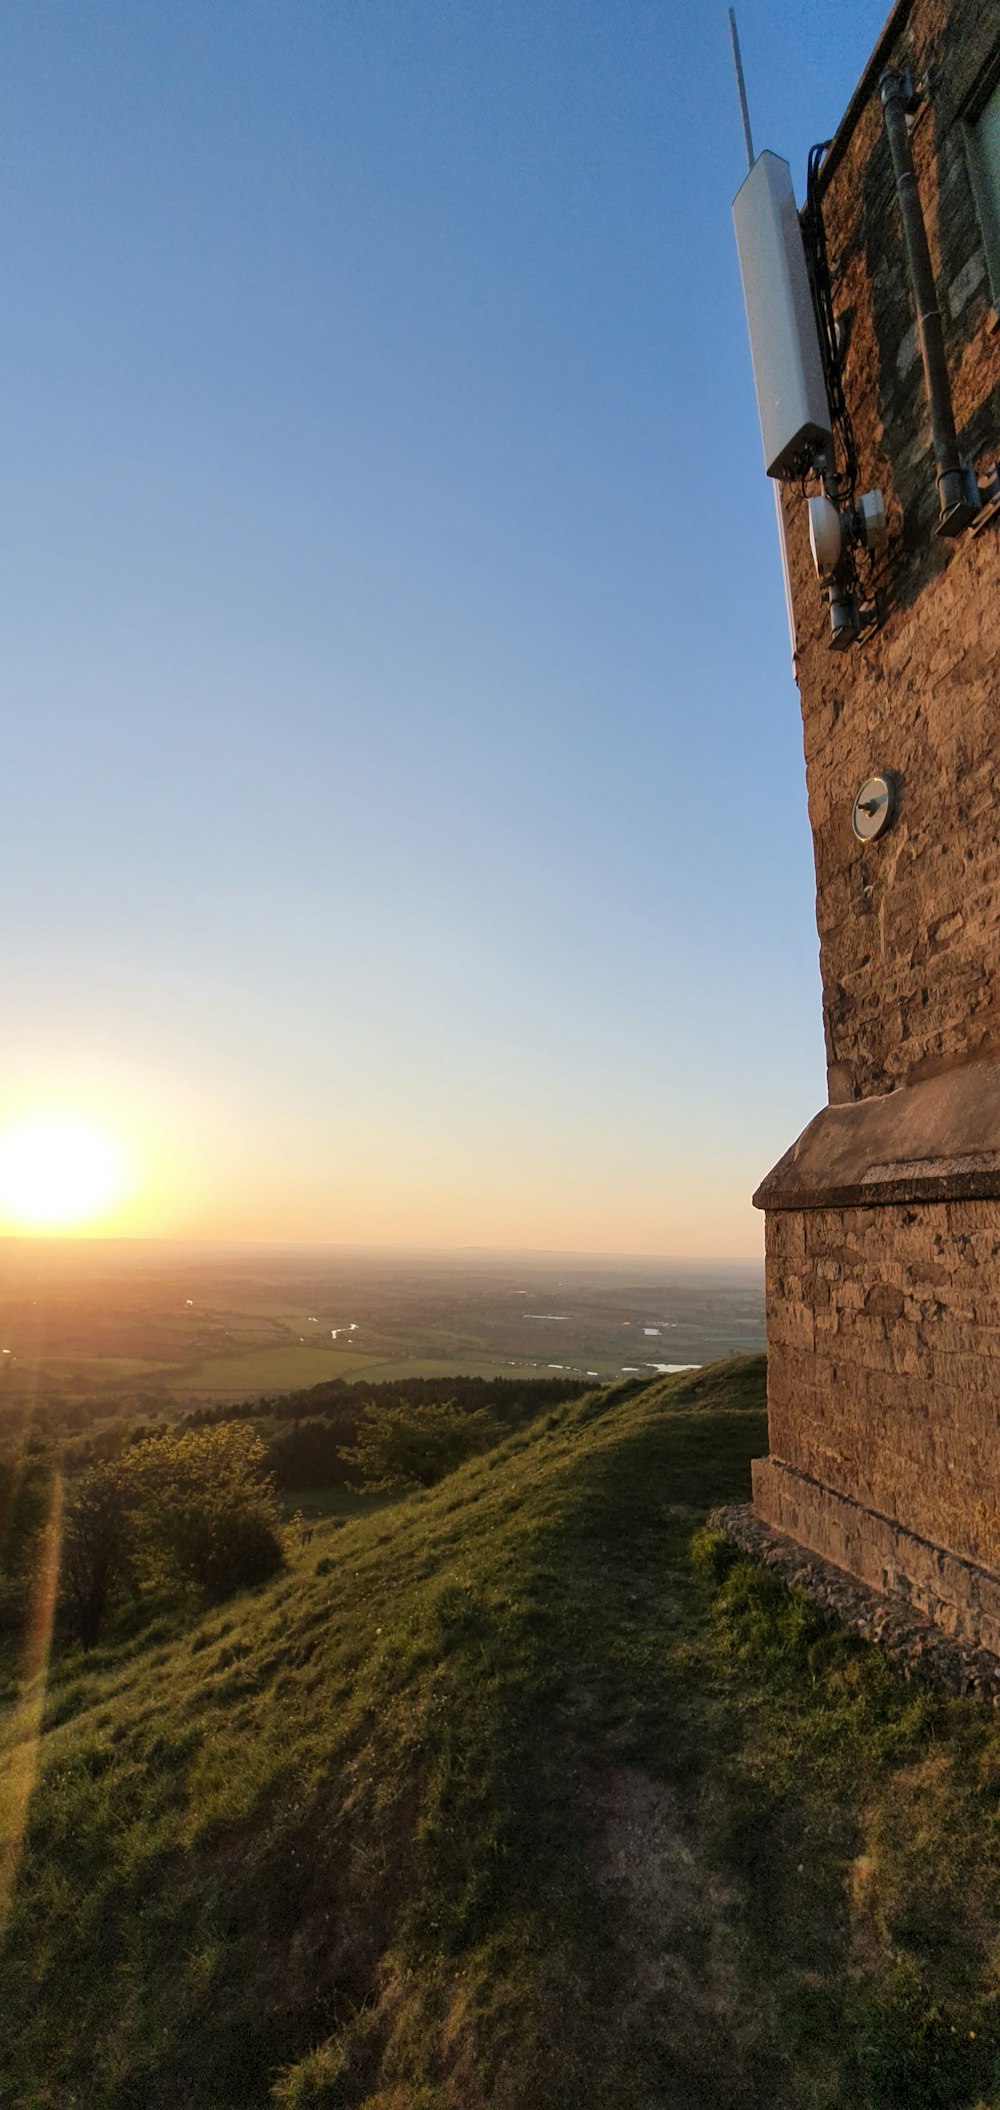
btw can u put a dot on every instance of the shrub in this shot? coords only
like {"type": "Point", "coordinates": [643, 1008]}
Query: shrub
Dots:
{"type": "Point", "coordinates": [205, 1513]}
{"type": "Point", "coordinates": [193, 1511]}
{"type": "Point", "coordinates": [415, 1446]}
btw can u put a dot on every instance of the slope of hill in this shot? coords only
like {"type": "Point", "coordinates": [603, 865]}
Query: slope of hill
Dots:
{"type": "Point", "coordinates": [503, 1802]}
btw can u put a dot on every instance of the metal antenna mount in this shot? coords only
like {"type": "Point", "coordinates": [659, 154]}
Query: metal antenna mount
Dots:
{"type": "Point", "coordinates": [742, 86]}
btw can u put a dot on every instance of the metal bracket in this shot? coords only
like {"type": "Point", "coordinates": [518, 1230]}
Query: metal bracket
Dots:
{"type": "Point", "coordinates": [990, 507]}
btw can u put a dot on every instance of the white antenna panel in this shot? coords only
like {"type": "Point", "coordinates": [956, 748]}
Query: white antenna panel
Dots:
{"type": "Point", "coordinates": [784, 341]}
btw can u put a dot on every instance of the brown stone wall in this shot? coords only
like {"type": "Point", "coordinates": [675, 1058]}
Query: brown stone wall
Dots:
{"type": "Point", "coordinates": [910, 926]}
{"type": "Point", "coordinates": [884, 1365]}
{"type": "Point", "coordinates": [884, 1317]}
{"type": "Point", "coordinates": [912, 1573]}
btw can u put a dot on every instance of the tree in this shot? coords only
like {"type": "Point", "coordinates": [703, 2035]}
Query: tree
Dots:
{"type": "Point", "coordinates": [95, 1559]}
{"type": "Point", "coordinates": [191, 1511]}
{"type": "Point", "coordinates": [206, 1513]}
{"type": "Point", "coordinates": [415, 1446]}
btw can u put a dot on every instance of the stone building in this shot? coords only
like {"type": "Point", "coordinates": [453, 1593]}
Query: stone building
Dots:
{"type": "Point", "coordinates": [883, 1219]}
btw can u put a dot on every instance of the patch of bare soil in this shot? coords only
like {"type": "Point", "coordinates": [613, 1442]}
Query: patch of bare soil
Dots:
{"type": "Point", "coordinates": [673, 1914]}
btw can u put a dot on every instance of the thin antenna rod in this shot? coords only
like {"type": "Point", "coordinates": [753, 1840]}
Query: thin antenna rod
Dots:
{"type": "Point", "coordinates": [742, 86]}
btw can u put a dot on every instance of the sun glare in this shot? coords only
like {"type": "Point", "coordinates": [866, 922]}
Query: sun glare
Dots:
{"type": "Point", "coordinates": [59, 1175]}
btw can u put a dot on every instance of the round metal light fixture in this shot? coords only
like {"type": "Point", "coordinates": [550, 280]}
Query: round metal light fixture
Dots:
{"type": "Point", "coordinates": [874, 807]}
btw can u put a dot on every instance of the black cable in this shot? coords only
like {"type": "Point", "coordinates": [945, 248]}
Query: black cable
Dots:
{"type": "Point", "coordinates": [820, 281]}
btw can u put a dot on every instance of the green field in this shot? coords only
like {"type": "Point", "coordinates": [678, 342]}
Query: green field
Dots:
{"type": "Point", "coordinates": [66, 1372]}
{"type": "Point", "coordinates": [261, 1372]}
{"type": "Point", "coordinates": [98, 1331]}
{"type": "Point", "coordinates": [250, 1373]}
{"type": "Point", "coordinates": [257, 1371]}
{"type": "Point", "coordinates": [525, 1794]}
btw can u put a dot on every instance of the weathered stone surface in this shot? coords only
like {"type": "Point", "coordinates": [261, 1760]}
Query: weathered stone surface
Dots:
{"type": "Point", "coordinates": [960, 1597]}
{"type": "Point", "coordinates": [934, 1141]}
{"type": "Point", "coordinates": [893, 1399]}
{"type": "Point", "coordinates": [909, 925]}
{"type": "Point", "coordinates": [917, 1646]}
{"type": "Point", "coordinates": [883, 1220]}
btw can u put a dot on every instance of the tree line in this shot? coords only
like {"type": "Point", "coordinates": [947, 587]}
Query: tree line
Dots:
{"type": "Point", "coordinates": [338, 1400]}
{"type": "Point", "coordinates": [192, 1512]}
{"type": "Point", "coordinates": [511, 1398]}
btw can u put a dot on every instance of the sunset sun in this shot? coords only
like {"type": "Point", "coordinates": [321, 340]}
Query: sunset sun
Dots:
{"type": "Point", "coordinates": [59, 1175]}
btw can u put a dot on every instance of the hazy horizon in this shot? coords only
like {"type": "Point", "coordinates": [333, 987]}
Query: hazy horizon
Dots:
{"type": "Point", "coordinates": [95, 1327]}
{"type": "Point", "coordinates": [95, 1241]}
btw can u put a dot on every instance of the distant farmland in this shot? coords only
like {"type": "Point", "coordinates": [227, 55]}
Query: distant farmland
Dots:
{"type": "Point", "coordinates": [102, 1323]}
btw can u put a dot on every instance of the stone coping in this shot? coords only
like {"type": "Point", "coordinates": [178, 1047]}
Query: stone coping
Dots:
{"type": "Point", "coordinates": [938, 1140]}
{"type": "Point", "coordinates": [913, 1644]}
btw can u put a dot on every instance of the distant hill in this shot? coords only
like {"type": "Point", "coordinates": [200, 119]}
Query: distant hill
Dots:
{"type": "Point", "coordinates": [499, 1801]}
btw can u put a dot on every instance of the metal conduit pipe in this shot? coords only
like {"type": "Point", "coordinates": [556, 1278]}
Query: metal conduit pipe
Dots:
{"type": "Point", "coordinates": [958, 493]}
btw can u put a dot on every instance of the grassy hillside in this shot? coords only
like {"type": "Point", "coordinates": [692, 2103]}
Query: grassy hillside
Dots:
{"type": "Point", "coordinates": [505, 1801]}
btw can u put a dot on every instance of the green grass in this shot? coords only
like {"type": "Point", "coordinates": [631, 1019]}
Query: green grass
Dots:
{"type": "Point", "coordinates": [512, 1801]}
{"type": "Point", "coordinates": [246, 1372]}
{"type": "Point", "coordinates": [321, 1504]}
{"type": "Point", "coordinates": [256, 1371]}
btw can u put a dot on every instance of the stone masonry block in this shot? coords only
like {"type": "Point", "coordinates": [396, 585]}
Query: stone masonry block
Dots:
{"type": "Point", "coordinates": [883, 1310]}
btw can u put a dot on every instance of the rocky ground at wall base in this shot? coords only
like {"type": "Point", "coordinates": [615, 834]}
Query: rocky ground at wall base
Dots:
{"type": "Point", "coordinates": [917, 1647]}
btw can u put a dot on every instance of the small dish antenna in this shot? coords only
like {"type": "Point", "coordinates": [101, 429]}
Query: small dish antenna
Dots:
{"type": "Point", "coordinates": [875, 807]}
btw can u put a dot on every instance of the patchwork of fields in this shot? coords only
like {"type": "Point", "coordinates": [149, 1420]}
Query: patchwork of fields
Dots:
{"type": "Point", "coordinates": [157, 1328]}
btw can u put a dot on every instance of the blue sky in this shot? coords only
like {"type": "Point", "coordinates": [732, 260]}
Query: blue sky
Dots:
{"type": "Point", "coordinates": [405, 824]}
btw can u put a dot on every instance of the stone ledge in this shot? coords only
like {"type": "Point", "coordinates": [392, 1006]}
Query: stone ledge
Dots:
{"type": "Point", "coordinates": [936, 1141]}
{"type": "Point", "coordinates": [914, 1645]}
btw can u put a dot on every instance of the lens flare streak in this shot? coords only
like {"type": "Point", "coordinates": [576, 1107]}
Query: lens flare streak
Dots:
{"type": "Point", "coordinates": [21, 1732]}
